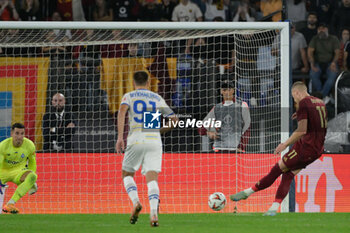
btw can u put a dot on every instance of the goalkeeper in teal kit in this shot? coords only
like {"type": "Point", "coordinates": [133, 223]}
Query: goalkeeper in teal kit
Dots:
{"type": "Point", "coordinates": [17, 165]}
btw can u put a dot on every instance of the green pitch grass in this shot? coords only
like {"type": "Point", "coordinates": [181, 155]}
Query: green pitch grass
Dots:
{"type": "Point", "coordinates": [177, 223]}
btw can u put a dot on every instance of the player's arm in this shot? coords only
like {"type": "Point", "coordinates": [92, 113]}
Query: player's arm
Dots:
{"type": "Point", "coordinates": [211, 131]}
{"type": "Point", "coordinates": [302, 116]}
{"type": "Point", "coordinates": [1, 159]}
{"type": "Point", "coordinates": [170, 124]}
{"type": "Point", "coordinates": [246, 126]}
{"type": "Point", "coordinates": [167, 112]}
{"type": "Point", "coordinates": [2, 156]}
{"type": "Point", "coordinates": [2, 185]}
{"type": "Point", "coordinates": [32, 162]}
{"type": "Point", "coordinates": [297, 134]}
{"type": "Point", "coordinates": [245, 116]}
{"type": "Point", "coordinates": [123, 109]}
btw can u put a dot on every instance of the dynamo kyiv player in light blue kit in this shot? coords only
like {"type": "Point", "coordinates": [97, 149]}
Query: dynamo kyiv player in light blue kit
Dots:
{"type": "Point", "coordinates": [144, 147]}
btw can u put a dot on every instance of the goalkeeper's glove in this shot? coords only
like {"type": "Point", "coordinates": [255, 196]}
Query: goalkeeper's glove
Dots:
{"type": "Point", "coordinates": [2, 186]}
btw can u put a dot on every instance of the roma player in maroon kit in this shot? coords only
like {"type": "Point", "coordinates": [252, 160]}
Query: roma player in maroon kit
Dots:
{"type": "Point", "coordinates": [308, 140]}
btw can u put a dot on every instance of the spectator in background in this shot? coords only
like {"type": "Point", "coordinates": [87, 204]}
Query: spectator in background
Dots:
{"type": "Point", "coordinates": [341, 18]}
{"type": "Point", "coordinates": [113, 50]}
{"type": "Point", "coordinates": [88, 8]}
{"type": "Point", "coordinates": [150, 11]}
{"type": "Point", "coordinates": [343, 40]}
{"type": "Point", "coordinates": [215, 8]}
{"type": "Point", "coordinates": [132, 50]}
{"type": "Point", "coordinates": [58, 126]}
{"type": "Point", "coordinates": [167, 8]}
{"type": "Point", "coordinates": [324, 9]}
{"type": "Point", "coordinates": [220, 49]}
{"type": "Point", "coordinates": [70, 10]}
{"type": "Point", "coordinates": [299, 53]}
{"type": "Point", "coordinates": [125, 10]}
{"type": "Point", "coordinates": [60, 59]}
{"type": "Point", "coordinates": [243, 13]}
{"type": "Point", "coordinates": [101, 11]}
{"type": "Point", "coordinates": [29, 10]}
{"type": "Point", "coordinates": [298, 49]}
{"type": "Point", "coordinates": [200, 3]}
{"type": "Point", "coordinates": [87, 90]}
{"type": "Point", "coordinates": [8, 11]}
{"type": "Point", "coordinates": [273, 8]}
{"type": "Point", "coordinates": [159, 69]}
{"type": "Point", "coordinates": [10, 36]}
{"type": "Point", "coordinates": [346, 60]}
{"type": "Point", "coordinates": [254, 6]}
{"type": "Point", "coordinates": [296, 11]}
{"type": "Point", "coordinates": [235, 117]}
{"type": "Point", "coordinates": [60, 33]}
{"type": "Point", "coordinates": [311, 27]}
{"type": "Point", "coordinates": [323, 53]}
{"type": "Point", "coordinates": [186, 11]}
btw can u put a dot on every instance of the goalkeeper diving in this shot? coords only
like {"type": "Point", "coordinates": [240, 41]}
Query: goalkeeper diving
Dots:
{"type": "Point", "coordinates": [17, 165]}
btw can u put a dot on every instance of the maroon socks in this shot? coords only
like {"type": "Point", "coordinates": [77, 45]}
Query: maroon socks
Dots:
{"type": "Point", "coordinates": [283, 189]}
{"type": "Point", "coordinates": [268, 180]}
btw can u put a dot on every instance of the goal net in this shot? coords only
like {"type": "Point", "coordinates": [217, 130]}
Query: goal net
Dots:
{"type": "Point", "coordinates": [92, 64]}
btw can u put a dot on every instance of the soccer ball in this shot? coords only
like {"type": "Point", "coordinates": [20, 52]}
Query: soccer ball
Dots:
{"type": "Point", "coordinates": [217, 201]}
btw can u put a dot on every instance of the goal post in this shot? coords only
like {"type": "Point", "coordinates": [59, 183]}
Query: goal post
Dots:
{"type": "Point", "coordinates": [92, 64]}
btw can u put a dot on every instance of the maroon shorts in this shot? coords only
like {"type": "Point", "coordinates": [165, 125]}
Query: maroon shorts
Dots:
{"type": "Point", "coordinates": [295, 160]}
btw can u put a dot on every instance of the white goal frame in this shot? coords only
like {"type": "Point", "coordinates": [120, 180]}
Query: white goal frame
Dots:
{"type": "Point", "coordinates": [284, 28]}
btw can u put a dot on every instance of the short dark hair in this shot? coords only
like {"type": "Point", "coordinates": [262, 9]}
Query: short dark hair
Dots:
{"type": "Point", "coordinates": [323, 24]}
{"type": "Point", "coordinates": [345, 28]}
{"type": "Point", "coordinates": [218, 19]}
{"type": "Point", "coordinates": [312, 13]}
{"type": "Point", "coordinates": [227, 84]}
{"type": "Point", "coordinates": [18, 126]}
{"type": "Point", "coordinates": [140, 78]}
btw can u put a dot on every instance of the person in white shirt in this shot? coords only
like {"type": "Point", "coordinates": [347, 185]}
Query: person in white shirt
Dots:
{"type": "Point", "coordinates": [186, 11]}
{"type": "Point", "coordinates": [144, 146]}
{"type": "Point", "coordinates": [215, 8]}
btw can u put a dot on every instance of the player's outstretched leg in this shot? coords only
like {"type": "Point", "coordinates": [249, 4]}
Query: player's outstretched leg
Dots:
{"type": "Point", "coordinates": [242, 195]}
{"type": "Point", "coordinates": [264, 183]}
{"type": "Point", "coordinates": [21, 190]}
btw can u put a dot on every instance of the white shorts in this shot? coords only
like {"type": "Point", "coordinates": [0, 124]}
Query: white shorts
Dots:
{"type": "Point", "coordinates": [148, 155]}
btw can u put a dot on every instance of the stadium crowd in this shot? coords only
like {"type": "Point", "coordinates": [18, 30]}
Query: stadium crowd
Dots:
{"type": "Point", "coordinates": [305, 16]}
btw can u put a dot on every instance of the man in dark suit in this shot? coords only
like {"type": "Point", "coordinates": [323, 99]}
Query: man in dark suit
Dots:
{"type": "Point", "coordinates": [58, 126]}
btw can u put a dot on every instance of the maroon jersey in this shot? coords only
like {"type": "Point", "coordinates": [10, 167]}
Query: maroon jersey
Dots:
{"type": "Point", "coordinates": [314, 110]}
